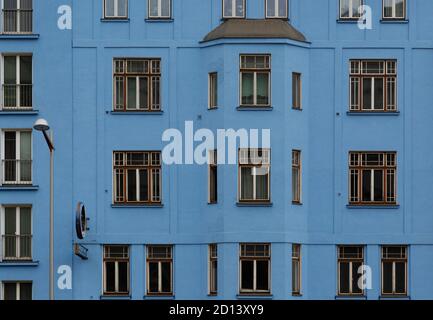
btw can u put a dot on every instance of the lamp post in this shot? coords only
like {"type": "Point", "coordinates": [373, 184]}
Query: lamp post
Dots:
{"type": "Point", "coordinates": [42, 125]}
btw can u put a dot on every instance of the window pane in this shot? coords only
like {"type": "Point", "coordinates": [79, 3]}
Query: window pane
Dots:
{"type": "Point", "coordinates": [378, 93]}
{"type": "Point", "coordinates": [355, 277]}
{"type": "Point", "coordinates": [282, 9]}
{"type": "Point", "coordinates": [166, 276]}
{"type": "Point", "coordinates": [122, 8]}
{"type": "Point", "coordinates": [295, 276]}
{"type": "Point", "coordinates": [10, 4]}
{"type": "Point", "coordinates": [247, 88]}
{"type": "Point", "coordinates": [25, 291]}
{"type": "Point", "coordinates": [119, 82]}
{"type": "Point", "coordinates": [366, 93]}
{"type": "Point", "coordinates": [247, 275]}
{"type": "Point", "coordinates": [144, 94]}
{"type": "Point", "coordinates": [228, 8]}
{"type": "Point", "coordinates": [123, 276]}
{"type": "Point", "coordinates": [344, 280]}
{"type": "Point", "coordinates": [246, 183]}
{"type": "Point", "coordinates": [25, 69]}
{"type": "Point", "coordinates": [366, 185]}
{"type": "Point", "coordinates": [271, 8]}
{"type": "Point", "coordinates": [213, 276]}
{"type": "Point", "coordinates": [239, 8]}
{"type": "Point", "coordinates": [132, 93]}
{"type": "Point", "coordinates": [165, 10]}
{"type": "Point", "coordinates": [144, 188]}
{"type": "Point", "coordinates": [400, 277]}
{"type": "Point", "coordinates": [109, 8]}
{"type": "Point", "coordinates": [262, 275]}
{"type": "Point", "coordinates": [213, 184]}
{"type": "Point", "coordinates": [387, 8]}
{"type": "Point", "coordinates": [344, 8]}
{"type": "Point", "coordinates": [153, 8]}
{"type": "Point", "coordinates": [110, 277]}
{"type": "Point", "coordinates": [132, 185]}
{"type": "Point", "coordinates": [10, 291]}
{"type": "Point", "coordinates": [262, 175]}
{"type": "Point", "coordinates": [355, 8]}
{"type": "Point", "coordinates": [387, 278]}
{"type": "Point", "coordinates": [399, 8]}
{"type": "Point", "coordinates": [378, 185]}
{"type": "Point", "coordinates": [153, 277]}
{"type": "Point", "coordinates": [25, 156]}
{"type": "Point", "coordinates": [10, 70]}
{"type": "Point", "coordinates": [262, 88]}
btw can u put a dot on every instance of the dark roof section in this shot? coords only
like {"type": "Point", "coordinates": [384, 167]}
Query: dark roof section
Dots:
{"type": "Point", "coordinates": [249, 28]}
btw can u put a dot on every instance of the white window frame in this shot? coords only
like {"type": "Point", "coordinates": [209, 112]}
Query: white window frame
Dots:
{"type": "Point", "coordinates": [159, 16]}
{"type": "Point", "coordinates": [17, 81]}
{"type": "Point", "coordinates": [234, 16]}
{"type": "Point", "coordinates": [116, 10]}
{"type": "Point", "coordinates": [255, 71]}
{"type": "Point", "coordinates": [116, 273]}
{"type": "Point", "coordinates": [17, 230]}
{"type": "Point", "coordinates": [394, 11]}
{"type": "Point", "coordinates": [277, 10]}
{"type": "Point", "coordinates": [18, 290]}
{"type": "Point", "coordinates": [17, 156]}
{"type": "Point", "coordinates": [18, 22]}
{"type": "Point", "coordinates": [351, 16]}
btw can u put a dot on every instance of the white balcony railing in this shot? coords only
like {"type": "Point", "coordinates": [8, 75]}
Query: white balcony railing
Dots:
{"type": "Point", "coordinates": [17, 247]}
{"type": "Point", "coordinates": [17, 96]}
{"type": "Point", "coordinates": [17, 21]}
{"type": "Point", "coordinates": [17, 172]}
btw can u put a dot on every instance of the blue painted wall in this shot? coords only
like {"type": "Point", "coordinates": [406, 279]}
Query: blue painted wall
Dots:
{"type": "Point", "coordinates": [73, 91]}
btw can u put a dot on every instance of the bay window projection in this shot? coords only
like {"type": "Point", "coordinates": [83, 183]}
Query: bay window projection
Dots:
{"type": "Point", "coordinates": [254, 175]}
{"type": "Point", "coordinates": [16, 233]}
{"type": "Point", "coordinates": [116, 270]}
{"type": "Point", "coordinates": [160, 270]}
{"type": "Point", "coordinates": [137, 85]}
{"type": "Point", "coordinates": [350, 9]}
{"type": "Point", "coordinates": [137, 177]}
{"type": "Point", "coordinates": [233, 9]}
{"type": "Point", "coordinates": [17, 157]}
{"type": "Point", "coordinates": [276, 9]}
{"type": "Point", "coordinates": [394, 9]}
{"type": "Point", "coordinates": [296, 269]}
{"type": "Point", "coordinates": [255, 80]}
{"type": "Point", "coordinates": [115, 9]}
{"type": "Point", "coordinates": [373, 177]}
{"type": "Point", "coordinates": [255, 268]}
{"type": "Point", "coordinates": [159, 9]}
{"type": "Point", "coordinates": [394, 270]}
{"type": "Point", "coordinates": [17, 82]}
{"type": "Point", "coordinates": [13, 291]}
{"type": "Point", "coordinates": [17, 16]}
{"type": "Point", "coordinates": [350, 259]}
{"type": "Point", "coordinates": [213, 269]}
{"type": "Point", "coordinates": [373, 85]}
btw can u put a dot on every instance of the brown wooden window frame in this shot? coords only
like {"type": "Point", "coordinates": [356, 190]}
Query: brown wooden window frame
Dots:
{"type": "Point", "coordinates": [255, 68]}
{"type": "Point", "coordinates": [394, 17]}
{"type": "Point", "coordinates": [263, 161]}
{"type": "Point", "coordinates": [350, 259]}
{"type": "Point", "coordinates": [213, 177]}
{"type": "Point", "coordinates": [358, 163]}
{"type": "Point", "coordinates": [213, 90]}
{"type": "Point", "coordinates": [150, 258]}
{"type": "Point", "coordinates": [296, 91]}
{"type": "Point", "coordinates": [256, 256]}
{"type": "Point", "coordinates": [213, 269]}
{"type": "Point", "coordinates": [296, 178]}
{"type": "Point", "coordinates": [150, 73]}
{"type": "Point", "coordinates": [152, 163]}
{"type": "Point", "coordinates": [296, 265]}
{"type": "Point", "coordinates": [403, 258]}
{"type": "Point", "coordinates": [387, 73]}
{"type": "Point", "coordinates": [124, 258]}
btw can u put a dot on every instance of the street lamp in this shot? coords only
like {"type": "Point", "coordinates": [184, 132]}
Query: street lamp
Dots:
{"type": "Point", "coordinates": [42, 125]}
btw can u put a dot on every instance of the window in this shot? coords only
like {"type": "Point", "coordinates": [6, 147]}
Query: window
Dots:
{"type": "Point", "coordinates": [372, 178]}
{"type": "Point", "coordinates": [350, 259]}
{"type": "Point", "coordinates": [394, 9]}
{"type": "Point", "coordinates": [276, 8]}
{"type": "Point", "coordinates": [17, 82]}
{"type": "Point", "coordinates": [233, 9]}
{"type": "Point", "coordinates": [213, 269]}
{"type": "Point", "coordinates": [213, 176]}
{"type": "Point", "coordinates": [116, 270]}
{"type": "Point", "coordinates": [373, 85]}
{"type": "Point", "coordinates": [17, 157]}
{"type": "Point", "coordinates": [17, 16]}
{"type": "Point", "coordinates": [296, 91]}
{"type": "Point", "coordinates": [255, 266]}
{"type": "Point", "coordinates": [160, 270]}
{"type": "Point", "coordinates": [137, 85]}
{"type": "Point", "coordinates": [213, 90]}
{"type": "Point", "coordinates": [17, 291]}
{"type": "Point", "coordinates": [254, 175]}
{"type": "Point", "coordinates": [350, 9]}
{"type": "Point", "coordinates": [17, 233]}
{"type": "Point", "coordinates": [159, 9]}
{"type": "Point", "coordinates": [255, 81]}
{"type": "Point", "coordinates": [296, 269]}
{"type": "Point", "coordinates": [394, 270]}
{"type": "Point", "coordinates": [137, 177]}
{"type": "Point", "coordinates": [115, 9]}
{"type": "Point", "coordinates": [296, 176]}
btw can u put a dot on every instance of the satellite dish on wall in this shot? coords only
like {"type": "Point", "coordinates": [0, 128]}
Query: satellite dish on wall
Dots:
{"type": "Point", "coordinates": [81, 221]}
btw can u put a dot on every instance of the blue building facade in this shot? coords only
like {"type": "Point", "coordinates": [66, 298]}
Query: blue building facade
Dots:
{"type": "Point", "coordinates": [339, 208]}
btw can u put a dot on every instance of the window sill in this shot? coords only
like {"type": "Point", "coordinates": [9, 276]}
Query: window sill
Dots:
{"type": "Point", "coordinates": [373, 206]}
{"type": "Point", "coordinates": [348, 20]}
{"type": "Point", "coordinates": [254, 108]}
{"type": "Point", "coordinates": [19, 188]}
{"type": "Point", "coordinates": [159, 20]}
{"type": "Point", "coordinates": [255, 296]}
{"type": "Point", "coordinates": [19, 36]}
{"type": "Point", "coordinates": [212, 108]}
{"type": "Point", "coordinates": [297, 295]}
{"type": "Point", "coordinates": [18, 112]}
{"type": "Point", "coordinates": [395, 20]}
{"type": "Point", "coordinates": [158, 297]}
{"type": "Point", "coordinates": [373, 113]}
{"type": "Point", "coordinates": [17, 263]}
{"type": "Point", "coordinates": [124, 20]}
{"type": "Point", "coordinates": [254, 204]}
{"type": "Point", "coordinates": [396, 297]}
{"type": "Point", "coordinates": [115, 297]}
{"type": "Point", "coordinates": [137, 206]}
{"type": "Point", "coordinates": [351, 297]}
{"type": "Point", "coordinates": [136, 113]}
{"type": "Point", "coordinates": [297, 203]}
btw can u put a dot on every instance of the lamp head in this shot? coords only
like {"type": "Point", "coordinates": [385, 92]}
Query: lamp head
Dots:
{"type": "Point", "coordinates": [41, 125]}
